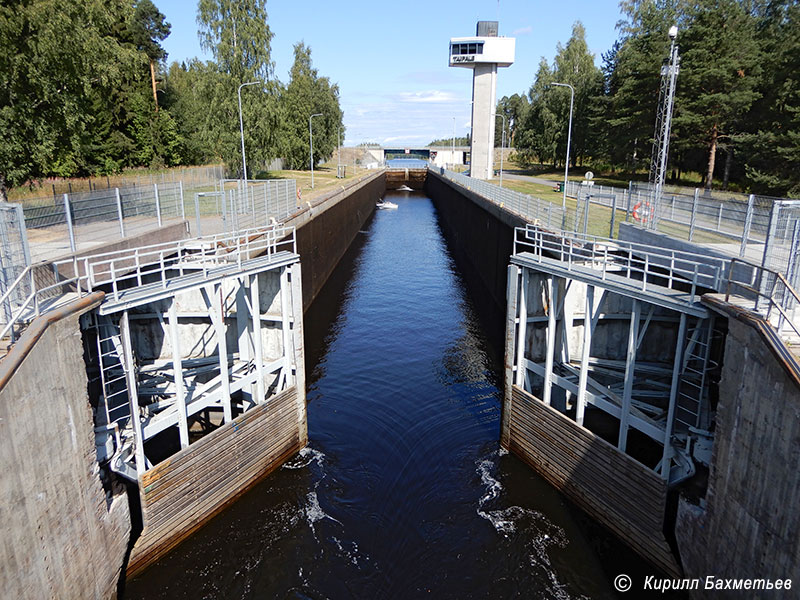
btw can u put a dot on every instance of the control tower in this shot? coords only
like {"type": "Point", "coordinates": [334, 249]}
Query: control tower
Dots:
{"type": "Point", "coordinates": [483, 54]}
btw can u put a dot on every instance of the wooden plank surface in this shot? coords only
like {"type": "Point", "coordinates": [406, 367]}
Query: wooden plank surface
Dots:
{"type": "Point", "coordinates": [187, 490]}
{"type": "Point", "coordinates": [612, 487]}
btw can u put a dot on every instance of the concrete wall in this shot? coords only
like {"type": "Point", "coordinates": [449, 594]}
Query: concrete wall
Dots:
{"type": "Point", "coordinates": [326, 229]}
{"type": "Point", "coordinates": [62, 536]}
{"type": "Point", "coordinates": [749, 524]}
{"type": "Point", "coordinates": [480, 236]}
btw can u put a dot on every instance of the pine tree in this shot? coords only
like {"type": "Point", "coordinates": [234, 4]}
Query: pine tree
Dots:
{"type": "Point", "coordinates": [720, 74]}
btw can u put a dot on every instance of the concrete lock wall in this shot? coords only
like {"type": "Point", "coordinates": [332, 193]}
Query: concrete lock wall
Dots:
{"type": "Point", "coordinates": [326, 229]}
{"type": "Point", "coordinates": [64, 536]}
{"type": "Point", "coordinates": [480, 236]}
{"type": "Point", "coordinates": [748, 525]}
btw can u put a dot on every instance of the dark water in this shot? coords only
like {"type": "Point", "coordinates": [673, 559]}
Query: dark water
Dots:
{"type": "Point", "coordinates": [403, 491]}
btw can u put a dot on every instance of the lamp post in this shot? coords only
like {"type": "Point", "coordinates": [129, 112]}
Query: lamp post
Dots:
{"type": "Point", "coordinates": [569, 139]}
{"type": "Point", "coordinates": [453, 151]}
{"type": "Point", "coordinates": [502, 145]}
{"type": "Point", "coordinates": [311, 142]}
{"type": "Point", "coordinates": [338, 150]}
{"type": "Point", "coordinates": [241, 127]}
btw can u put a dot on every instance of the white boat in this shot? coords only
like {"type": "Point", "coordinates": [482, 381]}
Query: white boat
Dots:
{"type": "Point", "coordinates": [385, 204]}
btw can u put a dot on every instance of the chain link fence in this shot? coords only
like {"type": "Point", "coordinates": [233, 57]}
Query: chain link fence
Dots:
{"type": "Point", "coordinates": [76, 222]}
{"type": "Point", "coordinates": [528, 207]}
{"type": "Point", "coordinates": [761, 229]}
{"type": "Point", "coordinates": [14, 258]}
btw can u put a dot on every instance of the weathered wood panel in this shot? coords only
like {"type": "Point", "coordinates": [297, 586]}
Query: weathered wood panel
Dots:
{"type": "Point", "coordinates": [187, 490]}
{"type": "Point", "coordinates": [616, 490]}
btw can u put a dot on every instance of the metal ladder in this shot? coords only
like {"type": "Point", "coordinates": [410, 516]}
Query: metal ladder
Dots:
{"type": "Point", "coordinates": [692, 410]}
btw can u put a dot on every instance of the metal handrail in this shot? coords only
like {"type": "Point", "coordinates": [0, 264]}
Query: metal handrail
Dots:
{"type": "Point", "coordinates": [631, 257]}
{"type": "Point", "coordinates": [155, 259]}
{"type": "Point", "coordinates": [756, 286]}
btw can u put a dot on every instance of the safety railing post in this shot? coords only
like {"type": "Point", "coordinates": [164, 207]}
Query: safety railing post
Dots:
{"type": "Point", "coordinates": [119, 212]}
{"type": "Point", "coordinates": [68, 213]}
{"type": "Point", "coordinates": [197, 213]}
{"type": "Point", "coordinates": [183, 208]}
{"type": "Point", "coordinates": [748, 220]}
{"type": "Point", "coordinates": [694, 214]}
{"type": "Point", "coordinates": [158, 204]}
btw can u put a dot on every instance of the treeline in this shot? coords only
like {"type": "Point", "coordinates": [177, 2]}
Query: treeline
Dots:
{"type": "Point", "coordinates": [85, 90]}
{"type": "Point", "coordinates": [737, 106]}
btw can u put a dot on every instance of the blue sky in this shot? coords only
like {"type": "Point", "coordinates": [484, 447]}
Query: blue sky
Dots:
{"type": "Point", "coordinates": [390, 58]}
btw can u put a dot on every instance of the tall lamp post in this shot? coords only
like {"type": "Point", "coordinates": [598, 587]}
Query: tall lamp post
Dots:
{"type": "Point", "coordinates": [241, 126]}
{"type": "Point", "coordinates": [453, 151]}
{"type": "Point", "coordinates": [569, 139]}
{"type": "Point", "coordinates": [338, 150]}
{"type": "Point", "coordinates": [311, 142]}
{"type": "Point", "coordinates": [502, 145]}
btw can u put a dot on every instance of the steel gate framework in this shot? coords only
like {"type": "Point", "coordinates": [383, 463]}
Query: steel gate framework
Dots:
{"type": "Point", "coordinates": [567, 295]}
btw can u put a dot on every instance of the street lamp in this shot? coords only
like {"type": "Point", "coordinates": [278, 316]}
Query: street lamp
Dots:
{"type": "Point", "coordinates": [311, 142]}
{"type": "Point", "coordinates": [502, 145]}
{"type": "Point", "coordinates": [241, 126]}
{"type": "Point", "coordinates": [338, 150]}
{"type": "Point", "coordinates": [453, 151]}
{"type": "Point", "coordinates": [569, 139]}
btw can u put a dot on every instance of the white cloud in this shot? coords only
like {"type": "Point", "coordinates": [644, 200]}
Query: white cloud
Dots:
{"type": "Point", "coordinates": [427, 96]}
{"type": "Point", "coordinates": [523, 30]}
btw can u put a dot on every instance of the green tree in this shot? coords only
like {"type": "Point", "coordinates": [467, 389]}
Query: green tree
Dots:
{"type": "Point", "coordinates": [56, 59]}
{"type": "Point", "coordinates": [146, 30]}
{"type": "Point", "coordinates": [632, 81]}
{"type": "Point", "coordinates": [514, 108]}
{"type": "Point", "coordinates": [720, 74]}
{"type": "Point", "coordinates": [771, 145]}
{"type": "Point", "coordinates": [308, 94]}
{"type": "Point", "coordinates": [238, 36]}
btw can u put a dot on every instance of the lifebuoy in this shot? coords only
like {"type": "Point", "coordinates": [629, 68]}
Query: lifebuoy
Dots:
{"type": "Point", "coordinates": [642, 212]}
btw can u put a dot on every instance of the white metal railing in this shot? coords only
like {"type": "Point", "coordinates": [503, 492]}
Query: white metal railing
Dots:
{"type": "Point", "coordinates": [157, 262]}
{"type": "Point", "coordinates": [769, 285]}
{"type": "Point", "coordinates": [528, 207]}
{"type": "Point", "coordinates": [637, 260]}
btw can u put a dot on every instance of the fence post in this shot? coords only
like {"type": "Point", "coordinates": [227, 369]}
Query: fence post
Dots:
{"type": "Point", "coordinates": [628, 205]}
{"type": "Point", "coordinates": [791, 268]}
{"type": "Point", "coordinates": [183, 208]}
{"type": "Point", "coordinates": [119, 212]}
{"type": "Point", "coordinates": [694, 214]}
{"type": "Point", "coordinates": [158, 204]}
{"type": "Point", "coordinates": [613, 216]}
{"type": "Point", "coordinates": [197, 213]}
{"type": "Point", "coordinates": [68, 214]}
{"type": "Point", "coordinates": [748, 220]}
{"type": "Point", "coordinates": [719, 218]}
{"type": "Point", "coordinates": [769, 242]}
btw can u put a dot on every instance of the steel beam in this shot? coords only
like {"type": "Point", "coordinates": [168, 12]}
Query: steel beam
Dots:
{"type": "Point", "coordinates": [630, 368]}
{"type": "Point", "coordinates": [212, 295]}
{"type": "Point", "coordinates": [511, 360]}
{"type": "Point", "coordinates": [286, 334]}
{"type": "Point", "coordinates": [580, 407]}
{"type": "Point", "coordinates": [673, 399]}
{"type": "Point", "coordinates": [255, 314]}
{"type": "Point", "coordinates": [522, 327]}
{"type": "Point", "coordinates": [552, 307]}
{"type": "Point", "coordinates": [299, 358]}
{"type": "Point", "coordinates": [243, 327]}
{"type": "Point", "coordinates": [133, 394]}
{"type": "Point", "coordinates": [177, 369]}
